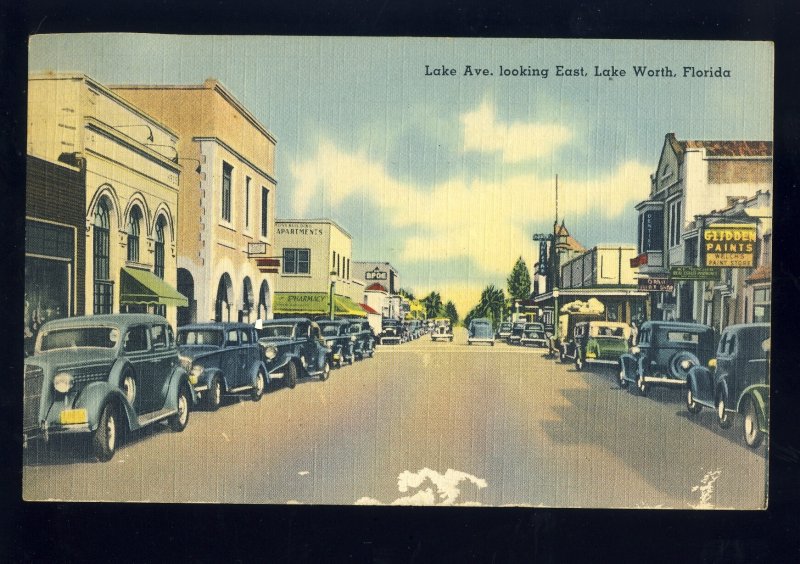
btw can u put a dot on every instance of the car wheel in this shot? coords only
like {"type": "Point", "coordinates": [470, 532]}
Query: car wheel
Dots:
{"type": "Point", "coordinates": [642, 386]}
{"type": "Point", "coordinates": [291, 375]}
{"type": "Point", "coordinates": [104, 438]}
{"type": "Point", "coordinates": [724, 417]}
{"type": "Point", "coordinates": [691, 404]}
{"type": "Point", "coordinates": [326, 371]}
{"type": "Point", "coordinates": [351, 358]}
{"type": "Point", "coordinates": [128, 386]}
{"type": "Point", "coordinates": [214, 394]}
{"type": "Point", "coordinates": [258, 388]}
{"type": "Point", "coordinates": [752, 434]}
{"type": "Point", "coordinates": [371, 352]}
{"type": "Point", "coordinates": [179, 421]}
{"type": "Point", "coordinates": [561, 356]}
{"type": "Point", "coordinates": [578, 362]}
{"type": "Point", "coordinates": [621, 381]}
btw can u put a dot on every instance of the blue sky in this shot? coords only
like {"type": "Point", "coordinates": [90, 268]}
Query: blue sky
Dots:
{"type": "Point", "coordinates": [448, 177]}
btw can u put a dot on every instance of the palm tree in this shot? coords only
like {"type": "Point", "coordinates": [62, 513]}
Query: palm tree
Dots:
{"type": "Point", "coordinates": [492, 303]}
{"type": "Point", "coordinates": [433, 304]}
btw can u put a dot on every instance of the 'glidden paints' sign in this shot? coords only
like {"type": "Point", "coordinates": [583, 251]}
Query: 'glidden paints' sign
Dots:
{"type": "Point", "coordinates": [730, 245]}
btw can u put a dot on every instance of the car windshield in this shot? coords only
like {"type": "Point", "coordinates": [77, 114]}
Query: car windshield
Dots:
{"type": "Point", "coordinates": [330, 330]}
{"type": "Point", "coordinates": [207, 337]}
{"type": "Point", "coordinates": [534, 327]}
{"type": "Point", "coordinates": [271, 331]}
{"type": "Point", "coordinates": [79, 338]}
{"type": "Point", "coordinates": [505, 326]}
{"type": "Point", "coordinates": [390, 323]}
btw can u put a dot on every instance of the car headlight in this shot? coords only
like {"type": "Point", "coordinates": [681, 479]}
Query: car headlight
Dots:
{"type": "Point", "coordinates": [353, 338]}
{"type": "Point", "coordinates": [329, 343]}
{"type": "Point", "coordinates": [686, 364]}
{"type": "Point", "coordinates": [270, 352]}
{"type": "Point", "coordinates": [635, 350]}
{"type": "Point", "coordinates": [63, 382]}
{"type": "Point", "coordinates": [186, 362]}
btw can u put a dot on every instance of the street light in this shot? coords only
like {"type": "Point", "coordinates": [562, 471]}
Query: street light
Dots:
{"type": "Point", "coordinates": [330, 296]}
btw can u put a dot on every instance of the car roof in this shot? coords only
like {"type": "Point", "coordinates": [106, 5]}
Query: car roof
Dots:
{"type": "Point", "coordinates": [747, 327]}
{"type": "Point", "coordinates": [679, 325]}
{"type": "Point", "coordinates": [285, 320]}
{"type": "Point", "coordinates": [121, 320]}
{"type": "Point", "coordinates": [215, 325]}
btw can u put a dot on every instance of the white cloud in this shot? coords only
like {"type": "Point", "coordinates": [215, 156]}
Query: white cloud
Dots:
{"type": "Point", "coordinates": [516, 141]}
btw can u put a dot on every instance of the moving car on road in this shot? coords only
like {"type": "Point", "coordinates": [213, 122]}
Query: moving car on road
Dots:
{"type": "Point", "coordinates": [504, 330]}
{"type": "Point", "coordinates": [339, 339]}
{"type": "Point", "coordinates": [392, 331]}
{"type": "Point", "coordinates": [600, 342]}
{"type": "Point", "coordinates": [294, 348]}
{"type": "Point", "coordinates": [442, 330]}
{"type": "Point", "coordinates": [480, 331]}
{"type": "Point", "coordinates": [222, 359]}
{"type": "Point", "coordinates": [665, 353]}
{"type": "Point", "coordinates": [101, 375]}
{"type": "Point", "coordinates": [736, 380]}
{"type": "Point", "coordinates": [533, 334]}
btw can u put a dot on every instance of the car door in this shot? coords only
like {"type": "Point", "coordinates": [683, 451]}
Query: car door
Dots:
{"type": "Point", "coordinates": [230, 361]}
{"type": "Point", "coordinates": [316, 348]}
{"type": "Point", "coordinates": [248, 354]}
{"type": "Point", "coordinates": [136, 349]}
{"type": "Point", "coordinates": [163, 357]}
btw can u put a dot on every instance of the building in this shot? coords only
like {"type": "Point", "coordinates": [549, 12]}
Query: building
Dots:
{"type": "Point", "coordinates": [692, 179]}
{"type": "Point", "coordinates": [55, 244]}
{"type": "Point", "coordinates": [127, 163]}
{"type": "Point", "coordinates": [316, 263]}
{"type": "Point", "coordinates": [382, 272]}
{"type": "Point", "coordinates": [227, 199]}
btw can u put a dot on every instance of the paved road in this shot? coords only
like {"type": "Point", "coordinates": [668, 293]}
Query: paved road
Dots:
{"type": "Point", "coordinates": [426, 423]}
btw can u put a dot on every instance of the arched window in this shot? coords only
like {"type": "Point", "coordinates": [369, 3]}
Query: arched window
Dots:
{"type": "Point", "coordinates": [159, 247]}
{"type": "Point", "coordinates": [247, 300]}
{"type": "Point", "coordinates": [133, 234]}
{"type": "Point", "coordinates": [103, 286]}
{"type": "Point", "coordinates": [222, 306]}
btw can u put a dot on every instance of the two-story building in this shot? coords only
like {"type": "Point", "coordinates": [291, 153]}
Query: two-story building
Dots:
{"type": "Point", "coordinates": [692, 179]}
{"type": "Point", "coordinates": [127, 162]}
{"type": "Point", "coordinates": [227, 199]}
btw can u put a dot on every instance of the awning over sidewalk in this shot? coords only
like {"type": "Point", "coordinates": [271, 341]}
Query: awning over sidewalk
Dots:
{"type": "Point", "coordinates": [144, 287]}
{"type": "Point", "coordinates": [314, 303]}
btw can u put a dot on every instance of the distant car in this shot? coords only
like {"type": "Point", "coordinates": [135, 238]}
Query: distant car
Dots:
{"type": "Point", "coordinates": [533, 334]}
{"type": "Point", "coordinates": [735, 381]}
{"type": "Point", "coordinates": [665, 353]}
{"type": "Point", "coordinates": [600, 342]}
{"type": "Point", "coordinates": [294, 348]}
{"type": "Point", "coordinates": [503, 330]}
{"type": "Point", "coordinates": [565, 344]}
{"type": "Point", "coordinates": [392, 331]}
{"type": "Point", "coordinates": [480, 331]}
{"type": "Point", "coordinates": [338, 338]}
{"type": "Point", "coordinates": [442, 330]}
{"type": "Point", "coordinates": [222, 359]}
{"type": "Point", "coordinates": [100, 375]}
{"type": "Point", "coordinates": [364, 344]}
{"type": "Point", "coordinates": [517, 328]}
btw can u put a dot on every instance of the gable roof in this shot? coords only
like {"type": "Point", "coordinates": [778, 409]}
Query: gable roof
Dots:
{"type": "Point", "coordinates": [721, 148]}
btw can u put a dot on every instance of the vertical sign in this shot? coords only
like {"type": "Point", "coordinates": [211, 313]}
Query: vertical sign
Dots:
{"type": "Point", "coordinates": [652, 232]}
{"type": "Point", "coordinates": [542, 258]}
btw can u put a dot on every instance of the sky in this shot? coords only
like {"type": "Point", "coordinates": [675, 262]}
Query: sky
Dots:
{"type": "Point", "coordinates": [448, 177]}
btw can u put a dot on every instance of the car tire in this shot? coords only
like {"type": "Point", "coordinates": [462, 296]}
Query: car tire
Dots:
{"type": "Point", "coordinates": [326, 371]}
{"type": "Point", "coordinates": [753, 435]}
{"type": "Point", "coordinates": [104, 438]}
{"type": "Point", "coordinates": [691, 404]}
{"type": "Point", "coordinates": [641, 386]}
{"type": "Point", "coordinates": [179, 421]}
{"type": "Point", "coordinates": [561, 356]}
{"type": "Point", "coordinates": [724, 417]}
{"type": "Point", "coordinates": [579, 363]}
{"type": "Point", "coordinates": [291, 375]}
{"type": "Point", "coordinates": [621, 381]}
{"type": "Point", "coordinates": [260, 386]}
{"type": "Point", "coordinates": [213, 395]}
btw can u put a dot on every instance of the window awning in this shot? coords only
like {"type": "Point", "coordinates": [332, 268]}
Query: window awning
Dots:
{"type": "Point", "coordinates": [314, 303]}
{"type": "Point", "coordinates": [144, 287]}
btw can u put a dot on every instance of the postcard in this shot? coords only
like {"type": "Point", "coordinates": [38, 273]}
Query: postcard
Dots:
{"type": "Point", "coordinates": [398, 271]}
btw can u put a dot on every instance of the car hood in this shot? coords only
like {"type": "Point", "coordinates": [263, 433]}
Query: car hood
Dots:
{"type": "Point", "coordinates": [193, 351]}
{"type": "Point", "coordinates": [275, 341]}
{"type": "Point", "coordinates": [67, 358]}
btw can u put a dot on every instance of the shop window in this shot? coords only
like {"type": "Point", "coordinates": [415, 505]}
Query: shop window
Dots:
{"type": "Point", "coordinates": [103, 287]}
{"type": "Point", "coordinates": [762, 305]}
{"type": "Point", "coordinates": [675, 223]}
{"type": "Point", "coordinates": [158, 269]}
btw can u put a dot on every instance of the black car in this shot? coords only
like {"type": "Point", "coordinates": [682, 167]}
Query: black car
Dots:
{"type": "Point", "coordinates": [517, 329]}
{"type": "Point", "coordinates": [393, 331]}
{"type": "Point", "coordinates": [339, 339]}
{"type": "Point", "coordinates": [293, 348]}
{"type": "Point", "coordinates": [364, 344]}
{"type": "Point", "coordinates": [741, 364]}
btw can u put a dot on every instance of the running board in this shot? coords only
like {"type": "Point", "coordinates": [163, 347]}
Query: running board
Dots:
{"type": "Point", "coordinates": [240, 389]}
{"type": "Point", "coordinates": [148, 418]}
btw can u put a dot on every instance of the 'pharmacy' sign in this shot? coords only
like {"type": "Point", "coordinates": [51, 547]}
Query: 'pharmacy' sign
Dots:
{"type": "Point", "coordinates": [729, 245]}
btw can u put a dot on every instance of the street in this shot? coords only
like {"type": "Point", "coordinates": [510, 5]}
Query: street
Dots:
{"type": "Point", "coordinates": [428, 423]}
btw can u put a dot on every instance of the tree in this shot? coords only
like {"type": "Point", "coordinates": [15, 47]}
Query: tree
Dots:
{"type": "Point", "coordinates": [519, 281]}
{"type": "Point", "coordinates": [492, 303]}
{"type": "Point", "coordinates": [406, 294]}
{"type": "Point", "coordinates": [451, 313]}
{"type": "Point", "coordinates": [433, 304]}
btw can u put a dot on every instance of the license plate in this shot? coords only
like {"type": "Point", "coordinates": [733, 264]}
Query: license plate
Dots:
{"type": "Point", "coordinates": [74, 416]}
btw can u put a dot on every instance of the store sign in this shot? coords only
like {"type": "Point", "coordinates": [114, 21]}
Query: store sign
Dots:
{"type": "Point", "coordinates": [376, 275]}
{"type": "Point", "coordinates": [652, 231]}
{"type": "Point", "coordinates": [256, 249]}
{"type": "Point", "coordinates": [729, 245]}
{"type": "Point", "coordinates": [542, 258]}
{"type": "Point", "coordinates": [693, 273]}
{"type": "Point", "coordinates": [656, 285]}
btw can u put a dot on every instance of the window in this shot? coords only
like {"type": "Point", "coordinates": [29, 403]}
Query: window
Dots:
{"type": "Point", "coordinates": [158, 269]}
{"type": "Point", "coordinates": [136, 340]}
{"type": "Point", "coordinates": [103, 287]}
{"type": "Point", "coordinates": [247, 201]}
{"type": "Point", "coordinates": [233, 337]}
{"type": "Point", "coordinates": [227, 172]}
{"type": "Point", "coordinates": [675, 223]}
{"type": "Point", "coordinates": [246, 337]}
{"type": "Point", "coordinates": [264, 211]}
{"type": "Point", "coordinates": [133, 234]}
{"type": "Point", "coordinates": [159, 336]}
{"type": "Point", "coordinates": [762, 306]}
{"type": "Point", "coordinates": [333, 262]}
{"type": "Point", "coordinates": [296, 261]}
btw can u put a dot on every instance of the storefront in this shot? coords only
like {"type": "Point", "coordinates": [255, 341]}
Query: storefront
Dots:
{"type": "Point", "coordinates": [315, 304]}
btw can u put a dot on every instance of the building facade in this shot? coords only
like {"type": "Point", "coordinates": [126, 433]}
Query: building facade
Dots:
{"type": "Point", "coordinates": [227, 200]}
{"type": "Point", "coordinates": [128, 165]}
{"type": "Point", "coordinates": [381, 272]}
{"type": "Point", "coordinates": [692, 179]}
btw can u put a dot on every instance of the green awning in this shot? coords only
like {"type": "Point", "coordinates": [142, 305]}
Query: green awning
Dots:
{"type": "Point", "coordinates": [314, 303]}
{"type": "Point", "coordinates": [144, 287]}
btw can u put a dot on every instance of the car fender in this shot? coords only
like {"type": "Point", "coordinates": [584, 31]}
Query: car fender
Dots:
{"type": "Point", "coordinates": [253, 372]}
{"type": "Point", "coordinates": [721, 391]}
{"type": "Point", "coordinates": [95, 395]}
{"type": "Point", "coordinates": [700, 382]}
{"type": "Point", "coordinates": [208, 373]}
{"type": "Point", "coordinates": [121, 365]}
{"type": "Point", "coordinates": [630, 366]}
{"type": "Point", "coordinates": [177, 378]}
{"type": "Point", "coordinates": [760, 394]}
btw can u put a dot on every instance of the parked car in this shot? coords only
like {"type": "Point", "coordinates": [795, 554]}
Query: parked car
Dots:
{"type": "Point", "coordinates": [392, 331]}
{"type": "Point", "coordinates": [101, 375]}
{"type": "Point", "coordinates": [338, 338]}
{"type": "Point", "coordinates": [735, 380]}
{"type": "Point", "coordinates": [442, 331]}
{"type": "Point", "coordinates": [600, 342]}
{"type": "Point", "coordinates": [665, 353]}
{"type": "Point", "coordinates": [533, 334]}
{"type": "Point", "coordinates": [504, 330]}
{"type": "Point", "coordinates": [564, 343]}
{"type": "Point", "coordinates": [222, 359]}
{"type": "Point", "coordinates": [517, 328]}
{"type": "Point", "coordinates": [480, 331]}
{"type": "Point", "coordinates": [364, 344]}
{"type": "Point", "coordinates": [294, 348]}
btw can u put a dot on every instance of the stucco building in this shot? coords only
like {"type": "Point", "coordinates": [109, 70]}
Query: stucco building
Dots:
{"type": "Point", "coordinates": [128, 167]}
{"type": "Point", "coordinates": [227, 199]}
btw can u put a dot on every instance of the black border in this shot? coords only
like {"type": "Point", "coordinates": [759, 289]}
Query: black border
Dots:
{"type": "Point", "coordinates": [155, 532]}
